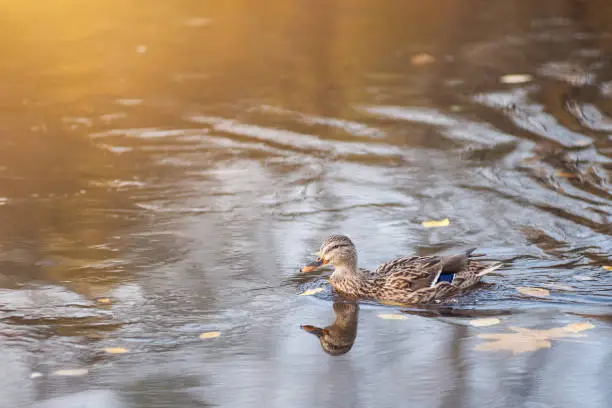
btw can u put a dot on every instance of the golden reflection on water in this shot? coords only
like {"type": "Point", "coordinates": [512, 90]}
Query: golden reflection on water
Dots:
{"type": "Point", "coordinates": [311, 56]}
{"type": "Point", "coordinates": [298, 52]}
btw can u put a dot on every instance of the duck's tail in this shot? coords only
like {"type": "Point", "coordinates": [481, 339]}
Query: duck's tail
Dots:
{"type": "Point", "coordinates": [455, 263]}
{"type": "Point", "coordinates": [490, 269]}
{"type": "Point", "coordinates": [470, 253]}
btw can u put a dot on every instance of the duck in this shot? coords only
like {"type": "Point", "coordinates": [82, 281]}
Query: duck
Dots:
{"type": "Point", "coordinates": [338, 338]}
{"type": "Point", "coordinates": [405, 280]}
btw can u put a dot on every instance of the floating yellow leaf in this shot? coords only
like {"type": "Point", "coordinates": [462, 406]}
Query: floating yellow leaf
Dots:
{"type": "Point", "coordinates": [391, 316]}
{"type": "Point", "coordinates": [35, 375]}
{"type": "Point", "coordinates": [73, 372]}
{"type": "Point", "coordinates": [516, 79]}
{"type": "Point", "coordinates": [565, 174]}
{"type": "Point", "coordinates": [436, 223]}
{"type": "Point", "coordinates": [538, 292]}
{"type": "Point", "coordinates": [116, 350]}
{"type": "Point", "coordinates": [210, 335]}
{"type": "Point", "coordinates": [524, 340]}
{"type": "Point", "coordinates": [489, 321]}
{"type": "Point", "coordinates": [392, 303]}
{"type": "Point", "coordinates": [310, 292]}
{"type": "Point", "coordinates": [104, 301]}
{"type": "Point", "coordinates": [608, 267]}
{"type": "Point", "coordinates": [422, 59]}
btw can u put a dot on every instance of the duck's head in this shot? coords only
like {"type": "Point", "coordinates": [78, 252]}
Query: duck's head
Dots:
{"type": "Point", "coordinates": [338, 251]}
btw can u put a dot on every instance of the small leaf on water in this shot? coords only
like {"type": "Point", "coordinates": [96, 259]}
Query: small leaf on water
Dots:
{"type": "Point", "coordinates": [583, 278]}
{"type": "Point", "coordinates": [104, 300]}
{"type": "Point", "coordinates": [608, 267]}
{"type": "Point", "coordinates": [516, 79]}
{"type": "Point", "coordinates": [35, 375]}
{"type": "Point", "coordinates": [310, 292]}
{"type": "Point", "coordinates": [538, 292]}
{"type": "Point", "coordinates": [116, 350]}
{"type": "Point", "coordinates": [74, 372]}
{"type": "Point", "coordinates": [390, 316]}
{"type": "Point", "coordinates": [565, 174]}
{"type": "Point", "coordinates": [422, 59]}
{"type": "Point", "coordinates": [489, 321]}
{"type": "Point", "coordinates": [210, 335]}
{"type": "Point", "coordinates": [392, 303]}
{"type": "Point", "coordinates": [436, 223]}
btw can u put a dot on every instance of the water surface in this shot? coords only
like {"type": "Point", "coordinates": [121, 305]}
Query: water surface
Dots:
{"type": "Point", "coordinates": [167, 167]}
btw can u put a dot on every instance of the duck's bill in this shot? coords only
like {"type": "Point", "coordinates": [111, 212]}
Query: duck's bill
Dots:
{"type": "Point", "coordinates": [317, 331]}
{"type": "Point", "coordinates": [313, 266]}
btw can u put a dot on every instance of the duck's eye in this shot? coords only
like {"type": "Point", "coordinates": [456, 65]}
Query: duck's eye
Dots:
{"type": "Point", "coordinates": [319, 259]}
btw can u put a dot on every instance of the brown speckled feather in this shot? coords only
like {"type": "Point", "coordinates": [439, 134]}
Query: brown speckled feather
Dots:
{"type": "Point", "coordinates": [409, 273]}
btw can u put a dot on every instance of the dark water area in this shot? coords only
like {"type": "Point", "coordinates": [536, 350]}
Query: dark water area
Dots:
{"type": "Point", "coordinates": [167, 166]}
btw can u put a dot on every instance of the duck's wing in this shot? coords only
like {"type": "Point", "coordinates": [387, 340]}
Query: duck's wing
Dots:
{"type": "Point", "coordinates": [410, 273]}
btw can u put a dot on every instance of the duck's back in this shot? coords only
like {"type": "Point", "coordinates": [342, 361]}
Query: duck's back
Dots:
{"type": "Point", "coordinates": [409, 273]}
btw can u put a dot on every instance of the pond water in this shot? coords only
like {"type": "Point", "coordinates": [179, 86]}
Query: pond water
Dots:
{"type": "Point", "coordinates": [167, 167]}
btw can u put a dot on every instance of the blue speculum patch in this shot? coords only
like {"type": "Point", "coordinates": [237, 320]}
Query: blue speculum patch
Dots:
{"type": "Point", "coordinates": [446, 277]}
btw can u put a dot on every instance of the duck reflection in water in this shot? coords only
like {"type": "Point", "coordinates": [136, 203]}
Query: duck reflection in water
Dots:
{"type": "Point", "coordinates": [338, 338]}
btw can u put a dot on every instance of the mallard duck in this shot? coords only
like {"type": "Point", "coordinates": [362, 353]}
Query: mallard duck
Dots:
{"type": "Point", "coordinates": [407, 280]}
{"type": "Point", "coordinates": [338, 337]}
